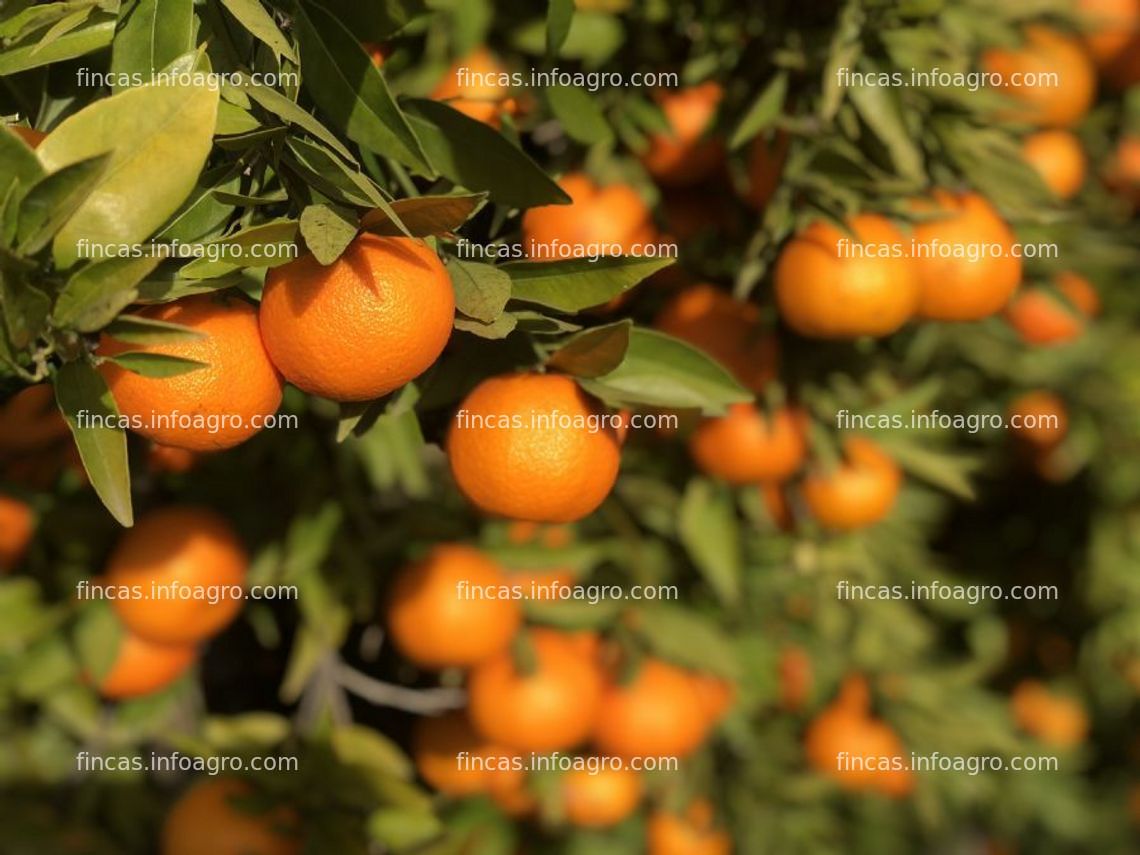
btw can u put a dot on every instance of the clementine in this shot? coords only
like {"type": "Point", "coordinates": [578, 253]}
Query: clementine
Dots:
{"type": "Point", "coordinates": [1049, 75]}
{"type": "Point", "coordinates": [688, 153]}
{"type": "Point", "coordinates": [599, 799]}
{"type": "Point", "coordinates": [659, 713]}
{"type": "Point", "coordinates": [1059, 159]}
{"type": "Point", "coordinates": [859, 493]}
{"type": "Point", "coordinates": [747, 446]}
{"type": "Point", "coordinates": [143, 667]}
{"type": "Point", "coordinates": [209, 818]}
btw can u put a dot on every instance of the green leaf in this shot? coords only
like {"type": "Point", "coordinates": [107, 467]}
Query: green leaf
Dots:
{"type": "Point", "coordinates": [64, 26]}
{"type": "Point", "coordinates": [476, 157]}
{"type": "Point", "coordinates": [19, 170]}
{"type": "Point", "coordinates": [688, 639]}
{"type": "Point", "coordinates": [403, 828]}
{"type": "Point", "coordinates": [579, 114]}
{"type": "Point", "coordinates": [134, 329]}
{"type": "Point", "coordinates": [499, 328]}
{"type": "Point", "coordinates": [327, 230]}
{"type": "Point", "coordinates": [98, 635]}
{"type": "Point", "coordinates": [252, 15]}
{"type": "Point", "coordinates": [377, 20]}
{"type": "Point", "coordinates": [89, 409]}
{"type": "Point", "coordinates": [94, 36]}
{"type": "Point", "coordinates": [267, 245]}
{"type": "Point", "coordinates": [348, 88]}
{"type": "Point", "coordinates": [579, 283]}
{"type": "Point", "coordinates": [593, 352]}
{"type": "Point", "coordinates": [332, 176]}
{"type": "Point", "coordinates": [559, 16]}
{"type": "Point", "coordinates": [96, 293]}
{"type": "Point", "coordinates": [709, 531]}
{"type": "Point", "coordinates": [53, 200]}
{"type": "Point", "coordinates": [481, 290]}
{"type": "Point", "coordinates": [358, 745]}
{"type": "Point", "coordinates": [203, 213]}
{"type": "Point", "coordinates": [158, 138]}
{"type": "Point", "coordinates": [946, 471]}
{"type": "Point", "coordinates": [879, 107]}
{"type": "Point", "coordinates": [157, 365]}
{"type": "Point", "coordinates": [661, 371]}
{"type": "Point", "coordinates": [763, 112]}
{"type": "Point", "coordinates": [152, 35]}
{"type": "Point", "coordinates": [25, 309]}
{"type": "Point", "coordinates": [423, 216]}
{"type": "Point", "coordinates": [288, 112]}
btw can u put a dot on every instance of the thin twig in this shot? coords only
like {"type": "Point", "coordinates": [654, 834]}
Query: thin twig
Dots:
{"type": "Point", "coordinates": [424, 701]}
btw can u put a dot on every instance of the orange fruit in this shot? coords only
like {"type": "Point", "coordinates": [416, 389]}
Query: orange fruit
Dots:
{"type": "Point", "coordinates": [859, 493]}
{"type": "Point", "coordinates": [857, 751]}
{"type": "Point", "coordinates": [747, 446]}
{"type": "Point", "coordinates": [778, 506]}
{"type": "Point", "coordinates": [373, 320]}
{"type": "Point", "coordinates": [456, 760]}
{"type": "Point", "coordinates": [1024, 74]}
{"type": "Point", "coordinates": [1122, 174]}
{"type": "Point", "coordinates": [550, 708]}
{"type": "Point", "coordinates": [1059, 159]}
{"type": "Point", "coordinates": [728, 330]}
{"type": "Point", "coordinates": [378, 53]}
{"type": "Point", "coordinates": [167, 458]}
{"type": "Point", "coordinates": [829, 285]}
{"type": "Point", "coordinates": [716, 695]}
{"type": "Point", "coordinates": [599, 799]}
{"type": "Point", "coordinates": [690, 833]}
{"type": "Point", "coordinates": [688, 154]}
{"type": "Point", "coordinates": [29, 135]}
{"type": "Point", "coordinates": [1054, 719]}
{"type": "Point", "coordinates": [180, 558]}
{"type": "Point", "coordinates": [30, 420]}
{"type": "Point", "coordinates": [451, 609]}
{"type": "Point", "coordinates": [533, 447]}
{"type": "Point", "coordinates": [209, 820]}
{"type": "Point", "coordinates": [1039, 418]}
{"type": "Point", "coordinates": [551, 536]}
{"type": "Point", "coordinates": [223, 403]}
{"type": "Point", "coordinates": [766, 159]}
{"type": "Point", "coordinates": [1112, 28]}
{"type": "Point", "coordinates": [610, 220]}
{"type": "Point", "coordinates": [966, 269]}
{"type": "Point", "coordinates": [17, 525]}
{"type": "Point", "coordinates": [143, 667]}
{"type": "Point", "coordinates": [1040, 318]}
{"type": "Point", "coordinates": [795, 673]}
{"type": "Point", "coordinates": [659, 713]}
{"type": "Point", "coordinates": [478, 86]}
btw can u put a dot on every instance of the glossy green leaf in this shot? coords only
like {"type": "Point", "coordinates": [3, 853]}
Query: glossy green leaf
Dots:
{"type": "Point", "coordinates": [481, 291]}
{"type": "Point", "coordinates": [559, 16]}
{"type": "Point", "coordinates": [579, 114]}
{"type": "Point", "coordinates": [327, 231]}
{"type": "Point", "coordinates": [579, 283]}
{"type": "Point", "coordinates": [152, 34]}
{"type": "Point", "coordinates": [266, 245]}
{"type": "Point", "coordinates": [93, 36]}
{"type": "Point", "coordinates": [593, 352]}
{"type": "Point", "coordinates": [135, 329]}
{"type": "Point", "coordinates": [99, 291]}
{"type": "Point", "coordinates": [763, 112]}
{"type": "Point", "coordinates": [158, 365]}
{"type": "Point", "coordinates": [252, 15]}
{"type": "Point", "coordinates": [710, 533]}
{"type": "Point", "coordinates": [53, 200]}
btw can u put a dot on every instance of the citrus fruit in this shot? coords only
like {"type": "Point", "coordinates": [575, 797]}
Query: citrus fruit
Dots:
{"type": "Point", "coordinates": [143, 667]}
{"type": "Point", "coordinates": [728, 330]}
{"type": "Point", "coordinates": [550, 707]}
{"type": "Point", "coordinates": [1040, 418]}
{"type": "Point", "coordinates": [167, 458]}
{"type": "Point", "coordinates": [451, 609]}
{"type": "Point", "coordinates": [29, 135]}
{"type": "Point", "coordinates": [1026, 77]}
{"type": "Point", "coordinates": [747, 446]}
{"type": "Point", "coordinates": [1122, 174]}
{"type": "Point", "coordinates": [859, 493]}
{"type": "Point", "coordinates": [456, 760]}
{"type": "Point", "coordinates": [211, 408]}
{"type": "Point", "coordinates": [795, 676]}
{"type": "Point", "coordinates": [857, 751]}
{"type": "Point", "coordinates": [377, 52]}
{"type": "Point", "coordinates": [688, 153]}
{"type": "Point", "coordinates": [610, 220]}
{"type": "Point", "coordinates": [598, 799]}
{"type": "Point", "coordinates": [533, 447]}
{"type": "Point", "coordinates": [829, 285]}
{"type": "Point", "coordinates": [766, 160]}
{"type": "Point", "coordinates": [209, 819]}
{"type": "Point", "coordinates": [966, 266]}
{"type": "Point", "coordinates": [1059, 159]}
{"type": "Point", "coordinates": [1113, 26]}
{"type": "Point", "coordinates": [17, 524]}
{"type": "Point", "coordinates": [778, 506]}
{"type": "Point", "coordinates": [180, 558]}
{"type": "Point", "coordinates": [716, 696]}
{"type": "Point", "coordinates": [1054, 719]}
{"type": "Point", "coordinates": [1042, 318]}
{"type": "Point", "coordinates": [690, 833]}
{"type": "Point", "coordinates": [478, 86]}
{"type": "Point", "coordinates": [30, 420]}
{"type": "Point", "coordinates": [365, 325]}
{"type": "Point", "coordinates": [658, 713]}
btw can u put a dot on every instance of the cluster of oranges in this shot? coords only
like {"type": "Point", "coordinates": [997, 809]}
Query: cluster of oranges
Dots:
{"type": "Point", "coordinates": [539, 690]}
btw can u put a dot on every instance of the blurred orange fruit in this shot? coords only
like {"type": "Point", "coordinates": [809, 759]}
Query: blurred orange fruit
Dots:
{"type": "Point", "coordinates": [17, 525]}
{"type": "Point", "coordinates": [1113, 26]}
{"type": "Point", "coordinates": [167, 458]}
{"type": "Point", "coordinates": [688, 154]}
{"type": "Point", "coordinates": [610, 220]}
{"type": "Point", "coordinates": [1059, 159]}
{"type": "Point", "coordinates": [1045, 100]}
{"type": "Point", "coordinates": [30, 420]}
{"type": "Point", "coordinates": [658, 713]}
{"type": "Point", "coordinates": [452, 609]}
{"type": "Point", "coordinates": [209, 818]}
{"type": "Point", "coordinates": [477, 85]}
{"type": "Point", "coordinates": [748, 446]}
{"type": "Point", "coordinates": [1054, 719]}
{"type": "Point", "coordinates": [1122, 174]}
{"type": "Point", "coordinates": [690, 833]}
{"type": "Point", "coordinates": [456, 760]}
{"type": "Point", "coordinates": [143, 667]}
{"type": "Point", "coordinates": [533, 447]}
{"type": "Point", "coordinates": [766, 160]}
{"type": "Point", "coordinates": [795, 677]}
{"type": "Point", "coordinates": [598, 799]}
{"type": "Point", "coordinates": [225, 402]}
{"type": "Point", "coordinates": [373, 320]}
{"type": "Point", "coordinates": [1040, 318]}
{"type": "Point", "coordinates": [1041, 418]}
{"type": "Point", "coordinates": [716, 696]}
{"type": "Point", "coordinates": [857, 494]}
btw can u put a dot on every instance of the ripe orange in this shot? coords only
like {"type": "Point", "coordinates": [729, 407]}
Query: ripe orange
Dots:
{"type": "Point", "coordinates": [167, 458]}
{"type": "Point", "coordinates": [1039, 317]}
{"type": "Point", "coordinates": [778, 506]}
{"type": "Point", "coordinates": [831, 286]}
{"type": "Point", "coordinates": [550, 536]}
{"type": "Point", "coordinates": [181, 558]}
{"type": "Point", "coordinates": [747, 446]}
{"type": "Point", "coordinates": [795, 672]}
{"type": "Point", "coordinates": [29, 135]}
{"type": "Point", "coordinates": [478, 86]}
{"type": "Point", "coordinates": [30, 420]}
{"type": "Point", "coordinates": [451, 609]}
{"type": "Point", "coordinates": [688, 154]}
{"type": "Point", "coordinates": [552, 708]}
{"type": "Point", "coordinates": [716, 695]}
{"type": "Point", "coordinates": [1054, 719]}
{"type": "Point", "coordinates": [222, 403]}
{"type": "Point", "coordinates": [691, 833]}
{"type": "Point", "coordinates": [1058, 102]}
{"type": "Point", "coordinates": [978, 273]}
{"type": "Point", "coordinates": [17, 524]}
{"type": "Point", "coordinates": [659, 713]}
{"type": "Point", "coordinates": [456, 760]}
{"type": "Point", "coordinates": [857, 751]}
{"type": "Point", "coordinates": [1059, 159]}
{"type": "Point", "coordinates": [370, 322]}
{"type": "Point", "coordinates": [726, 329]}
{"type": "Point", "coordinates": [1041, 419]}
{"type": "Point", "coordinates": [1122, 175]}
{"type": "Point", "coordinates": [533, 447]}
{"type": "Point", "coordinates": [610, 220]}
{"type": "Point", "coordinates": [143, 667]}
{"type": "Point", "coordinates": [765, 165]}
{"type": "Point", "coordinates": [859, 493]}
{"type": "Point", "coordinates": [600, 799]}
{"type": "Point", "coordinates": [1113, 27]}
{"type": "Point", "coordinates": [208, 819]}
